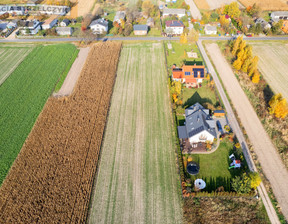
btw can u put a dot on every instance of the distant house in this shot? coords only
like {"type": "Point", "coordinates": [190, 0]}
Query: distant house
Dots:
{"type": "Point", "coordinates": [174, 12]}
{"type": "Point", "coordinates": [191, 75]}
{"type": "Point", "coordinates": [140, 29]}
{"type": "Point", "coordinates": [120, 15]}
{"type": "Point", "coordinates": [278, 15]}
{"type": "Point", "coordinates": [199, 125]}
{"type": "Point", "coordinates": [210, 30]}
{"type": "Point", "coordinates": [150, 22]}
{"type": "Point", "coordinates": [99, 26]}
{"type": "Point", "coordinates": [31, 26]}
{"type": "Point", "coordinates": [264, 24]}
{"type": "Point", "coordinates": [65, 22]}
{"type": "Point", "coordinates": [49, 23]}
{"type": "Point", "coordinates": [64, 31]}
{"type": "Point", "coordinates": [174, 27]}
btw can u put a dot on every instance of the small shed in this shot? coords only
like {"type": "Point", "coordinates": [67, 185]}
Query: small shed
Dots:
{"type": "Point", "coordinates": [219, 113]}
{"type": "Point", "coordinates": [192, 54]}
{"type": "Point", "coordinates": [140, 29]}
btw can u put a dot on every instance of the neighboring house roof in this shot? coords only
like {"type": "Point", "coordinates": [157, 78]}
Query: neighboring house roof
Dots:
{"type": "Point", "coordinates": [219, 111]}
{"type": "Point", "coordinates": [190, 72]}
{"type": "Point", "coordinates": [119, 15]}
{"type": "Point", "coordinates": [198, 120]}
{"type": "Point", "coordinates": [140, 27]}
{"type": "Point", "coordinates": [50, 20]}
{"type": "Point", "coordinates": [66, 21]}
{"type": "Point", "coordinates": [208, 27]}
{"type": "Point", "coordinates": [173, 11]}
{"type": "Point", "coordinates": [263, 23]}
{"type": "Point", "coordinates": [100, 21]}
{"type": "Point", "coordinates": [64, 29]}
{"type": "Point", "coordinates": [279, 13]}
{"type": "Point", "coordinates": [3, 26]}
{"type": "Point", "coordinates": [182, 133]}
{"type": "Point", "coordinates": [174, 23]}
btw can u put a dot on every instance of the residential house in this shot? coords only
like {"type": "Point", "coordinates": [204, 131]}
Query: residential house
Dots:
{"type": "Point", "coordinates": [64, 31]}
{"type": "Point", "coordinates": [50, 22]}
{"type": "Point", "coordinates": [150, 22]}
{"type": "Point", "coordinates": [32, 27]}
{"type": "Point", "coordinates": [120, 15]}
{"type": "Point", "coordinates": [65, 22]}
{"type": "Point", "coordinates": [264, 24]}
{"type": "Point", "coordinates": [277, 15]}
{"type": "Point", "coordinates": [191, 75]}
{"type": "Point", "coordinates": [210, 30]}
{"type": "Point", "coordinates": [174, 27]}
{"type": "Point", "coordinates": [199, 125]}
{"type": "Point", "coordinates": [140, 29]}
{"type": "Point", "coordinates": [99, 26]}
{"type": "Point", "coordinates": [174, 12]}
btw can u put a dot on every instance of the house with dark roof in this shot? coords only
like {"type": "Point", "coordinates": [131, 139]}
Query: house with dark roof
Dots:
{"type": "Point", "coordinates": [65, 22]}
{"type": "Point", "coordinates": [174, 27]}
{"type": "Point", "coordinates": [140, 29]}
{"type": "Point", "coordinates": [199, 125]}
{"type": "Point", "coordinates": [120, 15]}
{"type": "Point", "coordinates": [191, 75]}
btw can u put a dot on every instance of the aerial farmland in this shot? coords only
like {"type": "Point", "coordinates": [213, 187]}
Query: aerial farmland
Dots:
{"type": "Point", "coordinates": [273, 58]}
{"type": "Point", "coordinates": [137, 180]}
{"type": "Point", "coordinates": [25, 92]}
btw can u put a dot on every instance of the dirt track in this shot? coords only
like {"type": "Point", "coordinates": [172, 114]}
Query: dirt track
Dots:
{"type": "Point", "coordinates": [271, 162]}
{"type": "Point", "coordinates": [193, 9]}
{"type": "Point", "coordinates": [75, 71]}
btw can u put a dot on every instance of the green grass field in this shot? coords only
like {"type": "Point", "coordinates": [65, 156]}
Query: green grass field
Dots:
{"type": "Point", "coordinates": [23, 95]}
{"type": "Point", "coordinates": [10, 58]}
{"type": "Point", "coordinates": [137, 179]}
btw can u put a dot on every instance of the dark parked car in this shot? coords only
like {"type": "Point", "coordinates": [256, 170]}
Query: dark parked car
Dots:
{"type": "Point", "coordinates": [219, 126]}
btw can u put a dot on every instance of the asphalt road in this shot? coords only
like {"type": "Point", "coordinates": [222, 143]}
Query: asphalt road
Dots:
{"type": "Point", "coordinates": [72, 39]}
{"type": "Point", "coordinates": [237, 130]}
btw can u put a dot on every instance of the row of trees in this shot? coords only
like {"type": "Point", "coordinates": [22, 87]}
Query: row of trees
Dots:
{"type": "Point", "coordinates": [244, 59]}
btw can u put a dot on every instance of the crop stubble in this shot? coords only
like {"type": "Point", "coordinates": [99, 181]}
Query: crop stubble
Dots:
{"type": "Point", "coordinates": [52, 177]}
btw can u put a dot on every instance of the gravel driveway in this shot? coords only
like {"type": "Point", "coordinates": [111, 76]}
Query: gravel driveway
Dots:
{"type": "Point", "coordinates": [270, 160]}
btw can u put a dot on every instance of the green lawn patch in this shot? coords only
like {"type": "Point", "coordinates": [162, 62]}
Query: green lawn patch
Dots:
{"type": "Point", "coordinates": [23, 95]}
{"type": "Point", "coordinates": [176, 54]}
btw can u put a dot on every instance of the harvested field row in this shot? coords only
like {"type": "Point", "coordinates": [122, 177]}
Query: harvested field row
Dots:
{"type": "Point", "coordinates": [268, 5]}
{"type": "Point", "coordinates": [52, 177]}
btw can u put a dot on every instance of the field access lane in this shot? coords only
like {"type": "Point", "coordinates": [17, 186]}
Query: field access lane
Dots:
{"type": "Point", "coordinates": [268, 157]}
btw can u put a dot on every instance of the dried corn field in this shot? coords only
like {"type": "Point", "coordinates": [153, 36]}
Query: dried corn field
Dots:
{"type": "Point", "coordinates": [51, 179]}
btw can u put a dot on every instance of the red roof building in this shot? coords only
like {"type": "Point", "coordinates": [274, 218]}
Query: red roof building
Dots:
{"type": "Point", "coordinates": [191, 75]}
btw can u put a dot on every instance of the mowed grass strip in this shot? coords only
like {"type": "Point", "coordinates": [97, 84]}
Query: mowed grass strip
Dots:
{"type": "Point", "coordinates": [23, 95]}
{"type": "Point", "coordinates": [137, 180]}
{"type": "Point", "coordinates": [10, 58]}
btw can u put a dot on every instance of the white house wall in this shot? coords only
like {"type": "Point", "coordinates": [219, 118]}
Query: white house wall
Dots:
{"type": "Point", "coordinates": [205, 134]}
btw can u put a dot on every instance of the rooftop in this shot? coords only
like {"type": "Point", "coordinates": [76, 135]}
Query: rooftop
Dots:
{"type": "Point", "coordinates": [174, 11]}
{"type": "Point", "coordinates": [140, 27]}
{"type": "Point", "coordinates": [100, 21]}
{"type": "Point", "coordinates": [174, 23]}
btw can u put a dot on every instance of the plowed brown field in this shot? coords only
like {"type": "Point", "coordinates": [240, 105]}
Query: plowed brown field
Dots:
{"type": "Point", "coordinates": [51, 180]}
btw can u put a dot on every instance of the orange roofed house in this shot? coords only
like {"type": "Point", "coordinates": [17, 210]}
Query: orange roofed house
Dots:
{"type": "Point", "coordinates": [191, 75]}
